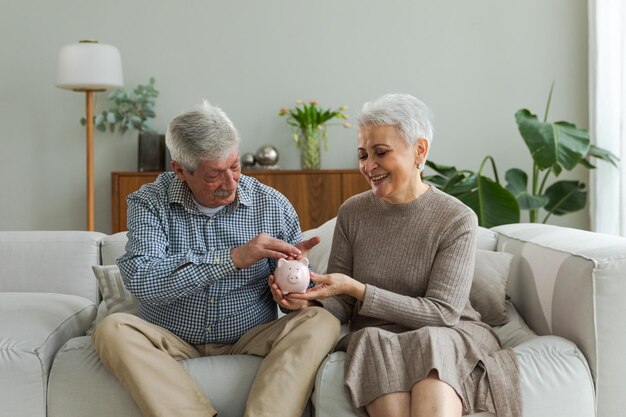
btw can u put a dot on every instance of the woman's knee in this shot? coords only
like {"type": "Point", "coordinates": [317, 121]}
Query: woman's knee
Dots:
{"type": "Point", "coordinates": [433, 388]}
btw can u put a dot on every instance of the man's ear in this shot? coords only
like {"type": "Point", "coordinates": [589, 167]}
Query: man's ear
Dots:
{"type": "Point", "coordinates": [179, 170]}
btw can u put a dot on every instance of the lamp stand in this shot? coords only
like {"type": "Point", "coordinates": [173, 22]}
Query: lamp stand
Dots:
{"type": "Point", "coordinates": [90, 193]}
{"type": "Point", "coordinates": [89, 67]}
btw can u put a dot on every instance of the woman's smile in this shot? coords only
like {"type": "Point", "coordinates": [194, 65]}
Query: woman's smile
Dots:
{"type": "Point", "coordinates": [377, 179]}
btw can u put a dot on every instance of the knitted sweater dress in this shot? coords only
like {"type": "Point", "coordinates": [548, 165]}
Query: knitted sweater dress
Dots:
{"type": "Point", "coordinates": [417, 261]}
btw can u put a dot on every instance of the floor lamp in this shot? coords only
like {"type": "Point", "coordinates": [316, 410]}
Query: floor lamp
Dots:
{"type": "Point", "coordinates": [89, 66]}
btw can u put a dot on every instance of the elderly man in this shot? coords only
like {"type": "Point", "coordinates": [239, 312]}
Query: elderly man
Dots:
{"type": "Point", "coordinates": [202, 244]}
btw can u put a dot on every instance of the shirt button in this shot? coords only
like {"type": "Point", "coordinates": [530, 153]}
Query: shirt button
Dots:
{"type": "Point", "coordinates": [212, 300]}
{"type": "Point", "coordinates": [211, 249]}
{"type": "Point", "coordinates": [217, 260]}
{"type": "Point", "coordinates": [208, 329]}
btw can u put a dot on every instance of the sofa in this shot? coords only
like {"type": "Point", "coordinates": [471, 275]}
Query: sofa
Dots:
{"type": "Point", "coordinates": [565, 293]}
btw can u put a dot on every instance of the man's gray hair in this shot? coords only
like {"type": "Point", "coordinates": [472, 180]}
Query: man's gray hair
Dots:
{"type": "Point", "coordinates": [203, 133]}
{"type": "Point", "coordinates": [409, 115]}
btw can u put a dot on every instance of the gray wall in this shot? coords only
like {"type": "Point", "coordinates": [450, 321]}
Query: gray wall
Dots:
{"type": "Point", "coordinates": [473, 62]}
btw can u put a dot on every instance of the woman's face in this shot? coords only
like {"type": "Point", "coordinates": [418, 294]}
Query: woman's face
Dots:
{"type": "Point", "coordinates": [390, 164]}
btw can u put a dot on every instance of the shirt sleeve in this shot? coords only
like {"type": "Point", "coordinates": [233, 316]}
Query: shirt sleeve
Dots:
{"type": "Point", "coordinates": [448, 287]}
{"type": "Point", "coordinates": [152, 274]}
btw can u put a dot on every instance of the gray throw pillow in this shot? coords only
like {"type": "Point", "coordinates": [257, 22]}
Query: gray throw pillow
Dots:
{"type": "Point", "coordinates": [114, 294]}
{"type": "Point", "coordinates": [488, 293]}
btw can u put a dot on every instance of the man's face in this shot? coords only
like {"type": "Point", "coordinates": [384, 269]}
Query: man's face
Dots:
{"type": "Point", "coordinates": [214, 182]}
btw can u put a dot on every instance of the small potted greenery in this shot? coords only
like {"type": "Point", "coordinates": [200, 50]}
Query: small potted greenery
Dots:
{"type": "Point", "coordinates": [133, 110]}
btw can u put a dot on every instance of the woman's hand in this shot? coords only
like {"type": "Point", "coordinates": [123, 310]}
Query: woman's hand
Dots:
{"type": "Point", "coordinates": [330, 285]}
{"type": "Point", "coordinates": [281, 300]}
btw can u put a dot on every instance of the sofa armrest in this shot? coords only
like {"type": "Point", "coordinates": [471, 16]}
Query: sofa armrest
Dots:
{"type": "Point", "coordinates": [570, 283]}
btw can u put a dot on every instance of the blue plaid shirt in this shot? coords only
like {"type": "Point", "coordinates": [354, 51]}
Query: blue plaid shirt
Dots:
{"type": "Point", "coordinates": [178, 263]}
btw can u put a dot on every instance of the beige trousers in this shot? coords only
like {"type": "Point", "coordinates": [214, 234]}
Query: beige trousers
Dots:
{"type": "Point", "coordinates": [144, 356]}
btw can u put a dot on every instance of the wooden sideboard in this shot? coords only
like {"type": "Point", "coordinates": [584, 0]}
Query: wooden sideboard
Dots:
{"type": "Point", "coordinates": [315, 194]}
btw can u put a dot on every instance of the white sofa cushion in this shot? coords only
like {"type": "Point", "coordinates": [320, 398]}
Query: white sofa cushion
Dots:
{"type": "Point", "coordinates": [318, 256]}
{"type": "Point", "coordinates": [34, 326]}
{"type": "Point", "coordinates": [48, 261]}
{"type": "Point", "coordinates": [113, 246]}
{"type": "Point", "coordinates": [80, 386]}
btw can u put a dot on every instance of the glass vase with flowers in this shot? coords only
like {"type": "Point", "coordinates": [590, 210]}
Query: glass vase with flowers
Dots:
{"type": "Point", "coordinates": [308, 123]}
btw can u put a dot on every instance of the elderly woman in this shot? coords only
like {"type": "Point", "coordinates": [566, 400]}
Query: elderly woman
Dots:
{"type": "Point", "coordinates": [400, 272]}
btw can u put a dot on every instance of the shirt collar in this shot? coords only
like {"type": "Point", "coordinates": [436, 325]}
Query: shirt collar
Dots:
{"type": "Point", "coordinates": [180, 193]}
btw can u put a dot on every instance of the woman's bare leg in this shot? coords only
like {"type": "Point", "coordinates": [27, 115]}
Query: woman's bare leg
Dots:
{"type": "Point", "coordinates": [396, 404]}
{"type": "Point", "coordinates": [431, 397]}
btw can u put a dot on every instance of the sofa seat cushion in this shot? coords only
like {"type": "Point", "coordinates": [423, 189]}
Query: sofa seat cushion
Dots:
{"type": "Point", "coordinates": [548, 364]}
{"type": "Point", "coordinates": [34, 326]}
{"type": "Point", "coordinates": [79, 385]}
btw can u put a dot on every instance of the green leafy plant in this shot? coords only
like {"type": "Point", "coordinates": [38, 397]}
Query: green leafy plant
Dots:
{"type": "Point", "coordinates": [128, 110]}
{"type": "Point", "coordinates": [492, 203]}
{"type": "Point", "coordinates": [554, 147]}
{"type": "Point", "coordinates": [307, 117]}
{"type": "Point", "coordinates": [307, 123]}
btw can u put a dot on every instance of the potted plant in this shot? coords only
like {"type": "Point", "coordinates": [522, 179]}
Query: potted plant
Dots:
{"type": "Point", "coordinates": [134, 110]}
{"type": "Point", "coordinates": [554, 147]}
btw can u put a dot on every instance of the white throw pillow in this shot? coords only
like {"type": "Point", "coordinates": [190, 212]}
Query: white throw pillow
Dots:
{"type": "Point", "coordinates": [114, 294]}
{"type": "Point", "coordinates": [318, 256]}
{"type": "Point", "coordinates": [488, 293]}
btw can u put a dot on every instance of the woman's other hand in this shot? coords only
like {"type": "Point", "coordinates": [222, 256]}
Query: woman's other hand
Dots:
{"type": "Point", "coordinates": [329, 285]}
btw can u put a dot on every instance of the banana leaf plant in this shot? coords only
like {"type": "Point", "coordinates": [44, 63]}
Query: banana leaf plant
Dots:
{"type": "Point", "coordinates": [554, 147]}
{"type": "Point", "coordinates": [493, 204]}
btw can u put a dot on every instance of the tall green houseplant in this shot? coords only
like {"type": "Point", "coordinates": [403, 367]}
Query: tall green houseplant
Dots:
{"type": "Point", "coordinates": [554, 147]}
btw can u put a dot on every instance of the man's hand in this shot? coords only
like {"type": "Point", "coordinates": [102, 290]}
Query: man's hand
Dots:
{"type": "Point", "coordinates": [261, 247]}
{"type": "Point", "coordinates": [307, 245]}
{"type": "Point", "coordinates": [287, 303]}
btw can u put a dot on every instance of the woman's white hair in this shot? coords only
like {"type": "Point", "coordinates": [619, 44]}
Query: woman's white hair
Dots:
{"type": "Point", "coordinates": [409, 115]}
{"type": "Point", "coordinates": [203, 133]}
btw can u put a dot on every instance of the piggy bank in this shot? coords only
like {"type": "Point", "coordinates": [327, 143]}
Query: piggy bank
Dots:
{"type": "Point", "coordinates": [292, 276]}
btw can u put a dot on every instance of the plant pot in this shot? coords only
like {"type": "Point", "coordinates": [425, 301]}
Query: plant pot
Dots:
{"type": "Point", "coordinates": [151, 152]}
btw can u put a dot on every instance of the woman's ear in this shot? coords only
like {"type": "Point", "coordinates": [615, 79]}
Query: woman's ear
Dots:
{"type": "Point", "coordinates": [421, 151]}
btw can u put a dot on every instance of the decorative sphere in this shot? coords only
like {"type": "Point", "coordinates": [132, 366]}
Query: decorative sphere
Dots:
{"type": "Point", "coordinates": [266, 155]}
{"type": "Point", "coordinates": [247, 160]}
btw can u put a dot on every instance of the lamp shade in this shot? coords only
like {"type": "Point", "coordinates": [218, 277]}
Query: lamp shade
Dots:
{"type": "Point", "coordinates": [89, 65]}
